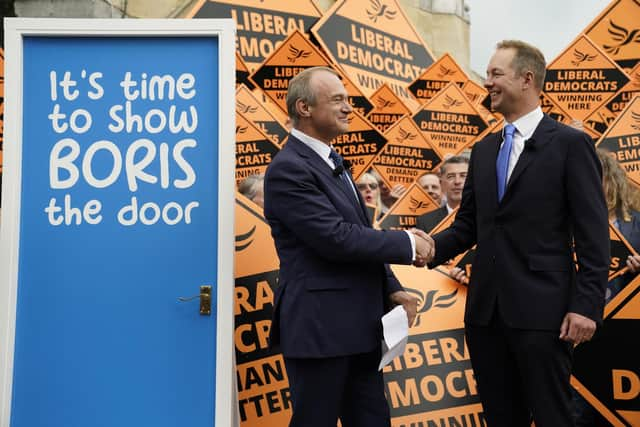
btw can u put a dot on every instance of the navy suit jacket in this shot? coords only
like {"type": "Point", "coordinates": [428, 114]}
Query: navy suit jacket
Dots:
{"type": "Point", "coordinates": [523, 261]}
{"type": "Point", "coordinates": [427, 221]}
{"type": "Point", "coordinates": [334, 282]}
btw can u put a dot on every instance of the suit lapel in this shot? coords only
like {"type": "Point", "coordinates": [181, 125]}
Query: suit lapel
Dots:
{"type": "Point", "coordinates": [532, 147]}
{"type": "Point", "coordinates": [314, 160]}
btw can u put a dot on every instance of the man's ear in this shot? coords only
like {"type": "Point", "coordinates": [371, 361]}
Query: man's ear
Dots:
{"type": "Point", "coordinates": [528, 79]}
{"type": "Point", "coordinates": [303, 108]}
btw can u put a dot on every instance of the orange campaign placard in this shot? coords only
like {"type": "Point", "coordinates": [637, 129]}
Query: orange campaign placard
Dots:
{"type": "Point", "coordinates": [475, 92]}
{"type": "Point", "coordinates": [622, 139]}
{"type": "Point", "coordinates": [617, 31]}
{"type": "Point", "coordinates": [374, 42]}
{"type": "Point", "coordinates": [407, 155]}
{"type": "Point", "coordinates": [432, 383]}
{"type": "Point", "coordinates": [360, 144]}
{"type": "Point", "coordinates": [402, 215]}
{"type": "Point", "coordinates": [620, 250]}
{"type": "Point", "coordinates": [555, 112]}
{"type": "Point", "coordinates": [605, 369]}
{"type": "Point", "coordinates": [261, 25]}
{"type": "Point", "coordinates": [450, 121]}
{"type": "Point", "coordinates": [436, 77]}
{"type": "Point", "coordinates": [583, 78]}
{"type": "Point", "coordinates": [295, 54]}
{"type": "Point", "coordinates": [254, 149]}
{"type": "Point", "coordinates": [242, 73]}
{"type": "Point", "coordinates": [248, 105]}
{"type": "Point", "coordinates": [629, 90]}
{"type": "Point", "coordinates": [388, 108]}
{"type": "Point", "coordinates": [264, 398]}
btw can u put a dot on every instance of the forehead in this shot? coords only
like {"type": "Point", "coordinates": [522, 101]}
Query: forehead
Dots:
{"type": "Point", "coordinates": [429, 179]}
{"type": "Point", "coordinates": [501, 59]}
{"type": "Point", "coordinates": [456, 168]}
{"type": "Point", "coordinates": [326, 82]}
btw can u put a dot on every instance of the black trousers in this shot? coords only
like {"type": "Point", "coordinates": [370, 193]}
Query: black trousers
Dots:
{"type": "Point", "coordinates": [349, 388]}
{"type": "Point", "coordinates": [521, 372]}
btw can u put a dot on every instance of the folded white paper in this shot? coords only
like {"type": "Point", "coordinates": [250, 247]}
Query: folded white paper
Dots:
{"type": "Point", "coordinates": [395, 331]}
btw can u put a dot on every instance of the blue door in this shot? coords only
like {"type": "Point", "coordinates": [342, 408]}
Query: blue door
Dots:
{"type": "Point", "coordinates": [118, 220]}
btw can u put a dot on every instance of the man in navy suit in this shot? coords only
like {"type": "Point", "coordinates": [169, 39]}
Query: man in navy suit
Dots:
{"type": "Point", "coordinates": [527, 304]}
{"type": "Point", "coordinates": [334, 279]}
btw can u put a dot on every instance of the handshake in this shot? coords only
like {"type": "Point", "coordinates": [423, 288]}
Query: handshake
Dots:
{"type": "Point", "coordinates": [425, 247]}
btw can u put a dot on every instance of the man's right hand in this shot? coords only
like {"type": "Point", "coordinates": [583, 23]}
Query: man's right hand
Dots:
{"type": "Point", "coordinates": [425, 247]}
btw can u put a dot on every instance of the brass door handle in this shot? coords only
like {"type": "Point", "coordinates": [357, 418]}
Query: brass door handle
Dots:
{"type": "Point", "coordinates": [205, 300]}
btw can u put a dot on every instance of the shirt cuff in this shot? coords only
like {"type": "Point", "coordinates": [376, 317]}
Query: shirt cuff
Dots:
{"type": "Point", "coordinates": [413, 244]}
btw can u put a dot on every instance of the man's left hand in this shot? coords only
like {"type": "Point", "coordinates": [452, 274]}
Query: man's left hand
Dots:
{"type": "Point", "coordinates": [408, 301]}
{"type": "Point", "coordinates": [577, 328]}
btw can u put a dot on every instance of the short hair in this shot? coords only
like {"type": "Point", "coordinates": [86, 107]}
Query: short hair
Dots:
{"type": "Point", "coordinates": [250, 185]}
{"type": "Point", "coordinates": [526, 58]}
{"type": "Point", "coordinates": [300, 88]}
{"type": "Point", "coordinates": [459, 159]}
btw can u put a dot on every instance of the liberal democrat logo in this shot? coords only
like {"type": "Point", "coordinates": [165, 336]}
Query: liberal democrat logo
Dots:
{"type": "Point", "coordinates": [450, 102]}
{"type": "Point", "coordinates": [417, 204]}
{"type": "Point", "coordinates": [432, 300]}
{"type": "Point", "coordinates": [243, 241]}
{"type": "Point", "coordinates": [622, 36]}
{"type": "Point", "coordinates": [380, 10]}
{"type": "Point", "coordinates": [384, 103]}
{"type": "Point", "coordinates": [403, 135]}
{"type": "Point", "coordinates": [245, 109]}
{"type": "Point", "coordinates": [296, 53]}
{"type": "Point", "coordinates": [636, 118]}
{"type": "Point", "coordinates": [580, 57]}
{"type": "Point", "coordinates": [446, 72]}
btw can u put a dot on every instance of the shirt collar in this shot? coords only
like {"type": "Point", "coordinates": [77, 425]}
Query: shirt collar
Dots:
{"type": "Point", "coordinates": [316, 145]}
{"type": "Point", "coordinates": [526, 124]}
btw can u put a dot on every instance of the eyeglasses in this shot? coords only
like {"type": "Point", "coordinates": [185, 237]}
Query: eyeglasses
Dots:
{"type": "Point", "coordinates": [364, 185]}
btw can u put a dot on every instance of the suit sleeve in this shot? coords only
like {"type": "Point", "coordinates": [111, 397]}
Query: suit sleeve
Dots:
{"type": "Point", "coordinates": [590, 223]}
{"type": "Point", "coordinates": [461, 235]}
{"type": "Point", "coordinates": [294, 197]}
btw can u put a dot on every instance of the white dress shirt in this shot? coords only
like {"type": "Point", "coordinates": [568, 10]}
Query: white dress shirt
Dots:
{"type": "Point", "coordinates": [525, 126]}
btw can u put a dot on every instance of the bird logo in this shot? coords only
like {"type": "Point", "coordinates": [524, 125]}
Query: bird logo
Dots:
{"type": "Point", "coordinates": [403, 135]}
{"type": "Point", "coordinates": [636, 117]}
{"type": "Point", "coordinates": [245, 109]}
{"type": "Point", "coordinates": [297, 53]}
{"type": "Point", "coordinates": [241, 129]}
{"type": "Point", "coordinates": [582, 57]}
{"type": "Point", "coordinates": [432, 300]}
{"type": "Point", "coordinates": [243, 241]}
{"type": "Point", "coordinates": [380, 10]}
{"type": "Point", "coordinates": [472, 96]}
{"type": "Point", "coordinates": [622, 36]}
{"type": "Point", "coordinates": [446, 72]}
{"type": "Point", "coordinates": [450, 102]}
{"type": "Point", "coordinates": [417, 204]}
{"type": "Point", "coordinates": [384, 103]}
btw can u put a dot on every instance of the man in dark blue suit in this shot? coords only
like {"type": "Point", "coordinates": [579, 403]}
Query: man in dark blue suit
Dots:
{"type": "Point", "coordinates": [532, 193]}
{"type": "Point", "coordinates": [334, 279]}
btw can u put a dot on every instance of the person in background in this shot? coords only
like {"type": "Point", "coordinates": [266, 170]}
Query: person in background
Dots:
{"type": "Point", "coordinates": [388, 196]}
{"type": "Point", "coordinates": [335, 282]}
{"type": "Point", "coordinates": [430, 182]}
{"type": "Point", "coordinates": [368, 186]}
{"type": "Point", "coordinates": [253, 188]}
{"type": "Point", "coordinates": [523, 204]}
{"type": "Point", "coordinates": [453, 173]}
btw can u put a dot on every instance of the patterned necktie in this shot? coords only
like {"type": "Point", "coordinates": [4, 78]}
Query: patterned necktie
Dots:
{"type": "Point", "coordinates": [339, 170]}
{"type": "Point", "coordinates": [502, 164]}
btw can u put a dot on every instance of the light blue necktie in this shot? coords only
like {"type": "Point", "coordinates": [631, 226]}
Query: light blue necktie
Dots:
{"type": "Point", "coordinates": [502, 164]}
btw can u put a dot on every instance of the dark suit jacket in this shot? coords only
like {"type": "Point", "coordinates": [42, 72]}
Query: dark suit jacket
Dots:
{"type": "Point", "coordinates": [333, 279]}
{"type": "Point", "coordinates": [427, 221]}
{"type": "Point", "coordinates": [523, 261]}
